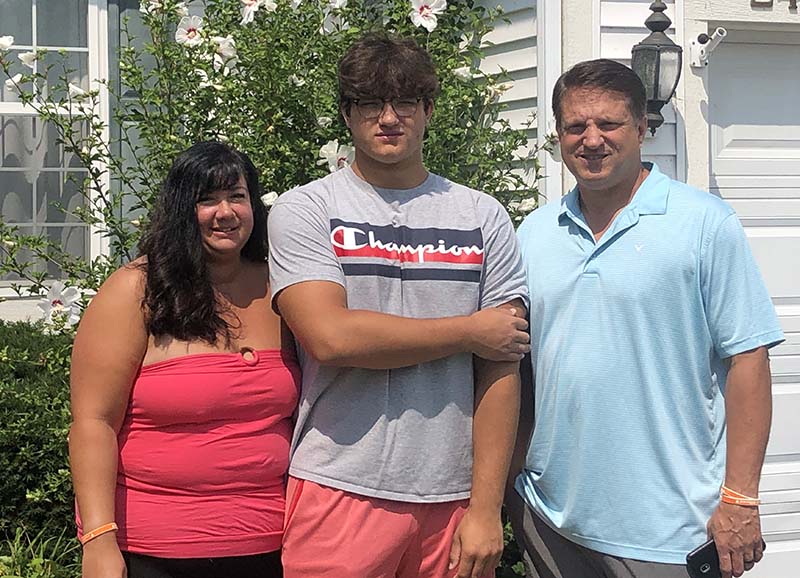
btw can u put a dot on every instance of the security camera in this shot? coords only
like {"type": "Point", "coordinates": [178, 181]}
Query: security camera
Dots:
{"type": "Point", "coordinates": [701, 48]}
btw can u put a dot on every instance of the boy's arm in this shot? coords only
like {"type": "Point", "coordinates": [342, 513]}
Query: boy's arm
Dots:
{"type": "Point", "coordinates": [308, 290]}
{"type": "Point", "coordinates": [478, 542]}
{"type": "Point", "coordinates": [317, 314]}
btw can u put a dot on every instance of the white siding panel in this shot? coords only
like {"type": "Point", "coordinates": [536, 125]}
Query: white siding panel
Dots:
{"type": "Point", "coordinates": [512, 47]}
{"type": "Point", "coordinates": [661, 144]}
{"type": "Point", "coordinates": [630, 13]}
{"type": "Point", "coordinates": [518, 55]}
{"type": "Point", "coordinates": [521, 25]}
{"type": "Point", "coordinates": [616, 43]}
{"type": "Point", "coordinates": [524, 87]}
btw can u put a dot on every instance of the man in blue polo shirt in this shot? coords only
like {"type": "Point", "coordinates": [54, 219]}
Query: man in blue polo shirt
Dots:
{"type": "Point", "coordinates": [650, 325]}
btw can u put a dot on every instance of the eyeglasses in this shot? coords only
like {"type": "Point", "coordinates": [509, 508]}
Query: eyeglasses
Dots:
{"type": "Point", "coordinates": [372, 108]}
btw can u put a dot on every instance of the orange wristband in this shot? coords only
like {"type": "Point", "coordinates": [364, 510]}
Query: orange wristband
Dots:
{"type": "Point", "coordinates": [738, 499]}
{"type": "Point", "coordinates": [104, 529]}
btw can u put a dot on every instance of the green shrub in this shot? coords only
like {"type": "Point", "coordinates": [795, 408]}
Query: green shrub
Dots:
{"type": "Point", "coordinates": [35, 488]}
{"type": "Point", "coordinates": [40, 556]}
{"type": "Point", "coordinates": [269, 88]}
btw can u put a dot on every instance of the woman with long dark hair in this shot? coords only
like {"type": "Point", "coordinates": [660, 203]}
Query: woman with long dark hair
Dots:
{"type": "Point", "coordinates": [183, 383]}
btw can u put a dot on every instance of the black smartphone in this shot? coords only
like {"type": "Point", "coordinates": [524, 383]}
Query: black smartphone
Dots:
{"type": "Point", "coordinates": [703, 561]}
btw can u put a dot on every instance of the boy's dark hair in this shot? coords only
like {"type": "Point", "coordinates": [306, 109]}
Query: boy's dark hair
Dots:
{"type": "Point", "coordinates": [179, 300]}
{"type": "Point", "coordinates": [385, 66]}
{"type": "Point", "coordinates": [602, 74]}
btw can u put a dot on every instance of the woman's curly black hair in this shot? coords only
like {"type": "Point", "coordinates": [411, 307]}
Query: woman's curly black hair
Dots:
{"type": "Point", "coordinates": [179, 299]}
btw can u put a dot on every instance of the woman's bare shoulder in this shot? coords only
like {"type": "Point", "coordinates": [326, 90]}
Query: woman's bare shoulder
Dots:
{"type": "Point", "coordinates": [126, 284]}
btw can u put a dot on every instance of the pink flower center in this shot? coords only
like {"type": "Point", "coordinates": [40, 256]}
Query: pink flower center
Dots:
{"type": "Point", "coordinates": [425, 10]}
{"type": "Point", "coordinates": [191, 32]}
{"type": "Point", "coordinates": [341, 161]}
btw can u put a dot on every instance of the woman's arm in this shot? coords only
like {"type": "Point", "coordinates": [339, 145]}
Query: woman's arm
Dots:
{"type": "Point", "coordinates": [108, 351]}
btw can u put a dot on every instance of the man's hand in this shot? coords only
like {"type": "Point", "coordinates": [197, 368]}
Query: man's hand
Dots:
{"type": "Point", "coordinates": [498, 334]}
{"type": "Point", "coordinates": [477, 545]}
{"type": "Point", "coordinates": [737, 533]}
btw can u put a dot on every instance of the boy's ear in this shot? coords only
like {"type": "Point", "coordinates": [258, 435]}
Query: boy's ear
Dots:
{"type": "Point", "coordinates": [428, 110]}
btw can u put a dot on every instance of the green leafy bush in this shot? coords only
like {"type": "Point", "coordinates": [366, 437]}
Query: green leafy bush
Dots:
{"type": "Point", "coordinates": [269, 88]}
{"type": "Point", "coordinates": [40, 556]}
{"type": "Point", "coordinates": [35, 488]}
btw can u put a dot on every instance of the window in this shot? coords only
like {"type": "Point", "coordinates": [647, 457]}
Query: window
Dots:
{"type": "Point", "coordinates": [36, 174]}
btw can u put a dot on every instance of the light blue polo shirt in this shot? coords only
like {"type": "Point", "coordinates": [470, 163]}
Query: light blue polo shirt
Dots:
{"type": "Point", "coordinates": [629, 340]}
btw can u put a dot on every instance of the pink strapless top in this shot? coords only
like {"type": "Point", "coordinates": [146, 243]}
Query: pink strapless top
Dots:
{"type": "Point", "coordinates": [203, 455]}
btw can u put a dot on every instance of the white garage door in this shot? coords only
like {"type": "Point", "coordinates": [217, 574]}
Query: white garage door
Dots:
{"type": "Point", "coordinates": [754, 112]}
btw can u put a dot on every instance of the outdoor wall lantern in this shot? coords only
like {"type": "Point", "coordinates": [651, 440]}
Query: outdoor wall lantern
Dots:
{"type": "Point", "coordinates": [657, 61]}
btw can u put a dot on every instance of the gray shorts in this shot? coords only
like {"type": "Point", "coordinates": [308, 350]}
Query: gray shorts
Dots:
{"type": "Point", "coordinates": [547, 554]}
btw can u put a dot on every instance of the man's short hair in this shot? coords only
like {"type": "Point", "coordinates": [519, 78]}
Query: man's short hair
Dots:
{"type": "Point", "coordinates": [605, 75]}
{"type": "Point", "coordinates": [383, 66]}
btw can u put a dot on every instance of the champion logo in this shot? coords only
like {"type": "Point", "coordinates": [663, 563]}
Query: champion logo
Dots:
{"type": "Point", "coordinates": [405, 244]}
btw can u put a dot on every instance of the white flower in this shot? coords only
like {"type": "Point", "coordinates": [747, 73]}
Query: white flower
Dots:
{"type": "Point", "coordinates": [464, 73]}
{"type": "Point", "coordinates": [149, 6]}
{"type": "Point", "coordinates": [154, 6]}
{"type": "Point", "coordinates": [333, 22]}
{"type": "Point", "coordinates": [494, 91]}
{"type": "Point", "coordinates": [61, 304]}
{"type": "Point", "coordinates": [423, 13]}
{"type": "Point", "coordinates": [13, 82]}
{"type": "Point", "coordinates": [9, 244]}
{"type": "Point", "coordinates": [189, 29]}
{"type": "Point", "coordinates": [6, 42]}
{"type": "Point", "coordinates": [337, 4]}
{"type": "Point", "coordinates": [269, 198]}
{"type": "Point", "coordinates": [225, 52]}
{"type": "Point", "coordinates": [526, 205]}
{"type": "Point", "coordinates": [552, 146]}
{"type": "Point", "coordinates": [250, 7]}
{"type": "Point", "coordinates": [296, 80]}
{"type": "Point", "coordinates": [76, 92]}
{"type": "Point", "coordinates": [136, 222]}
{"type": "Point", "coordinates": [335, 156]}
{"type": "Point", "coordinates": [205, 82]}
{"type": "Point", "coordinates": [295, 4]}
{"type": "Point", "coordinates": [324, 121]}
{"type": "Point", "coordinates": [27, 58]}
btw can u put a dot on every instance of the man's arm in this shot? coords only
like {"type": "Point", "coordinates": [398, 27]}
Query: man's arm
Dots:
{"type": "Point", "coordinates": [748, 405]}
{"type": "Point", "coordinates": [317, 314]}
{"type": "Point", "coordinates": [478, 541]}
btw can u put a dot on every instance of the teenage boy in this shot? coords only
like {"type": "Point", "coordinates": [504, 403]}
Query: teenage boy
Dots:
{"type": "Point", "coordinates": [406, 294]}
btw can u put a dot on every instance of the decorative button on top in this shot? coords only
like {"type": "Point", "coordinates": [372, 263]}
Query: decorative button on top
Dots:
{"type": "Point", "coordinates": [249, 355]}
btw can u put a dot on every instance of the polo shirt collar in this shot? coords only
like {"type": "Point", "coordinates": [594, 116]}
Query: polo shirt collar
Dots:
{"type": "Point", "coordinates": [650, 198]}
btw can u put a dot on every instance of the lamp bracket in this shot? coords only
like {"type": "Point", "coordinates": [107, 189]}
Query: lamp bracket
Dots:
{"type": "Point", "coordinates": [700, 49]}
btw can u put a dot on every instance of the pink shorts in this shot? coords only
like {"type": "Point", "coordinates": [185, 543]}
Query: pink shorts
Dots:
{"type": "Point", "coordinates": [331, 533]}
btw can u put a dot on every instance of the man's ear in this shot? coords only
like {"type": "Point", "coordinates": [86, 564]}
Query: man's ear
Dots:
{"type": "Point", "coordinates": [642, 128]}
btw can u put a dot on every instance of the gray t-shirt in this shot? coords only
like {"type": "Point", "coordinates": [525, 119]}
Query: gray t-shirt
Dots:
{"type": "Point", "coordinates": [438, 250]}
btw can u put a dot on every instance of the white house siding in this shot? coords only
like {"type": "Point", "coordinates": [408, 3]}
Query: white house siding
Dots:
{"type": "Point", "coordinates": [753, 161]}
{"type": "Point", "coordinates": [512, 47]}
{"type": "Point", "coordinates": [621, 26]}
